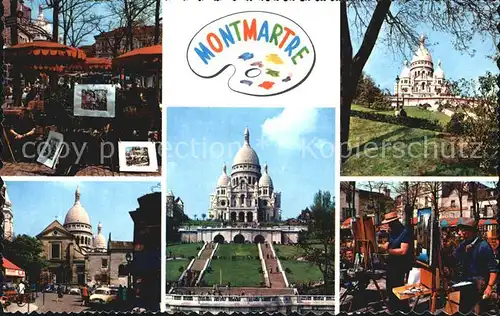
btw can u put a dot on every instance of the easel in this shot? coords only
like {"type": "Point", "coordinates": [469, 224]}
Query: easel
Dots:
{"type": "Point", "coordinates": [7, 142]}
{"type": "Point", "coordinates": [364, 244]}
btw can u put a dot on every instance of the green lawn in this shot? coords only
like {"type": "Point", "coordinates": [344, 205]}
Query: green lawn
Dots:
{"type": "Point", "coordinates": [229, 250]}
{"type": "Point", "coordinates": [283, 251]}
{"type": "Point", "coordinates": [183, 250]}
{"type": "Point", "coordinates": [301, 271]}
{"type": "Point", "coordinates": [173, 273]}
{"type": "Point", "coordinates": [411, 111]}
{"type": "Point", "coordinates": [238, 272]}
{"type": "Point", "coordinates": [401, 151]}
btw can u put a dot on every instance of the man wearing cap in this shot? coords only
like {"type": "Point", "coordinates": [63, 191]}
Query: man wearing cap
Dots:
{"type": "Point", "coordinates": [399, 261]}
{"type": "Point", "coordinates": [479, 267]}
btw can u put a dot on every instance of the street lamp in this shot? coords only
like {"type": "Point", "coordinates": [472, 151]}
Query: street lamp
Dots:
{"type": "Point", "coordinates": [397, 92]}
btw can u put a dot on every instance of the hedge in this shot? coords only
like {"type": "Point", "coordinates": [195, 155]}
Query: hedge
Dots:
{"type": "Point", "coordinates": [412, 122]}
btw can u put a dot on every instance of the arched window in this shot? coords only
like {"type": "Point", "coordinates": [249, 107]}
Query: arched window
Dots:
{"type": "Point", "coordinates": [81, 239]}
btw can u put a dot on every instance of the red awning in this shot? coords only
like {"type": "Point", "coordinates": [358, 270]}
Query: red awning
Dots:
{"type": "Point", "coordinates": [145, 58]}
{"type": "Point", "coordinates": [12, 270]}
{"type": "Point", "coordinates": [485, 222]}
{"type": "Point", "coordinates": [347, 223]}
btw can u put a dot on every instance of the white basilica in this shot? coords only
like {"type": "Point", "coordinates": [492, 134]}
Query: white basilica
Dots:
{"type": "Point", "coordinates": [248, 195]}
{"type": "Point", "coordinates": [420, 83]}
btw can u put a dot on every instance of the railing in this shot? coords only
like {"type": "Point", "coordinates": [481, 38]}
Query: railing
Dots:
{"type": "Point", "coordinates": [280, 266]}
{"type": "Point", "coordinates": [207, 263]}
{"type": "Point", "coordinates": [249, 301]}
{"type": "Point", "coordinates": [263, 265]}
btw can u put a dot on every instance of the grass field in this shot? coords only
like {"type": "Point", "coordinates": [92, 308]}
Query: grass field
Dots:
{"type": "Point", "coordinates": [185, 250]}
{"type": "Point", "coordinates": [229, 250]}
{"type": "Point", "coordinates": [173, 266]}
{"type": "Point", "coordinates": [301, 271]}
{"type": "Point", "coordinates": [411, 111]}
{"type": "Point", "coordinates": [399, 150]}
{"type": "Point", "coordinates": [238, 272]}
{"type": "Point", "coordinates": [288, 251]}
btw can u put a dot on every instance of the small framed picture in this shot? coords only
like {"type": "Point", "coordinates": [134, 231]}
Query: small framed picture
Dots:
{"type": "Point", "coordinates": [153, 136]}
{"type": "Point", "coordinates": [51, 150]}
{"type": "Point", "coordinates": [137, 156]}
{"type": "Point", "coordinates": [95, 100]}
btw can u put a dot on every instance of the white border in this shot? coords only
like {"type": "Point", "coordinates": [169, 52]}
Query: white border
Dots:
{"type": "Point", "coordinates": [51, 163]}
{"type": "Point", "coordinates": [110, 98]}
{"type": "Point", "coordinates": [153, 162]}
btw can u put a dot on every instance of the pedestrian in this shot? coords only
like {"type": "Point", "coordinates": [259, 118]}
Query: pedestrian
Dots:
{"type": "Point", "coordinates": [59, 293]}
{"type": "Point", "coordinates": [399, 261]}
{"type": "Point", "coordinates": [85, 295]}
{"type": "Point", "coordinates": [479, 267]}
{"type": "Point", "coordinates": [20, 291]}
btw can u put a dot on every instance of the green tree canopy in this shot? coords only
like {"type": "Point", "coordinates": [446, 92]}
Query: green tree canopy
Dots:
{"type": "Point", "coordinates": [27, 253]}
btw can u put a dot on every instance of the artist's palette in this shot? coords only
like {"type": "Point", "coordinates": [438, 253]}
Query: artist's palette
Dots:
{"type": "Point", "coordinates": [269, 53]}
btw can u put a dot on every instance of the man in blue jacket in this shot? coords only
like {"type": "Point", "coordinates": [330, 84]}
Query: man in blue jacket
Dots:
{"type": "Point", "coordinates": [477, 258]}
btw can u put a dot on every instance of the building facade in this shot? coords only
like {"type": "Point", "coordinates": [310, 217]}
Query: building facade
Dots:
{"type": "Point", "coordinates": [248, 195]}
{"type": "Point", "coordinates": [423, 83]}
{"type": "Point", "coordinates": [8, 215]}
{"type": "Point", "coordinates": [114, 43]}
{"type": "Point", "coordinates": [76, 256]}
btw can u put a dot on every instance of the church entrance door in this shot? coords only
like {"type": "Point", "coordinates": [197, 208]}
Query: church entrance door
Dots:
{"type": "Point", "coordinates": [219, 239]}
{"type": "Point", "coordinates": [259, 239]}
{"type": "Point", "coordinates": [239, 239]}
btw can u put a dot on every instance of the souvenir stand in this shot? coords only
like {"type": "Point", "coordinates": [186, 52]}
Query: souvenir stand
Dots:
{"type": "Point", "coordinates": [38, 59]}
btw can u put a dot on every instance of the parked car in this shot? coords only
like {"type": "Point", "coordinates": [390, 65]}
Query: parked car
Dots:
{"type": "Point", "coordinates": [75, 291]}
{"type": "Point", "coordinates": [103, 296]}
{"type": "Point", "coordinates": [50, 288]}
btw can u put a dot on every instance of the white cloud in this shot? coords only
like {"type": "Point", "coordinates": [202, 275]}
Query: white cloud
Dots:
{"type": "Point", "coordinates": [288, 129]}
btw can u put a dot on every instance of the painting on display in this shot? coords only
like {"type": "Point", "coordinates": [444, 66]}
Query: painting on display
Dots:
{"type": "Point", "coordinates": [95, 100]}
{"type": "Point", "coordinates": [137, 156]}
{"type": "Point", "coordinates": [51, 150]}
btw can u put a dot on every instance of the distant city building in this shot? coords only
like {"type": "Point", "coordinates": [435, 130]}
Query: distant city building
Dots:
{"type": "Point", "coordinates": [113, 43]}
{"type": "Point", "coordinates": [8, 215]}
{"type": "Point", "coordinates": [364, 200]}
{"type": "Point", "coordinates": [171, 201]}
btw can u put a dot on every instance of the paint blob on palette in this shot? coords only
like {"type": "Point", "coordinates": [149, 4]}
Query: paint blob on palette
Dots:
{"type": "Point", "coordinates": [268, 53]}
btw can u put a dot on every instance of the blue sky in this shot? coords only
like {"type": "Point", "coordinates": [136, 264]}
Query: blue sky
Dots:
{"type": "Point", "coordinates": [36, 204]}
{"type": "Point", "coordinates": [296, 143]}
{"type": "Point", "coordinates": [383, 65]}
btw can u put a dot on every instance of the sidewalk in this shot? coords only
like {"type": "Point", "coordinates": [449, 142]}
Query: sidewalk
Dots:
{"type": "Point", "coordinates": [14, 308]}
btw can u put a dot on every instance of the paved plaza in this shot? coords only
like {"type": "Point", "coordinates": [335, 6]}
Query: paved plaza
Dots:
{"type": "Point", "coordinates": [69, 303]}
{"type": "Point", "coordinates": [36, 169]}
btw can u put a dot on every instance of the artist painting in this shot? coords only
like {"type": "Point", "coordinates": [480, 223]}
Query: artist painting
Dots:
{"type": "Point", "coordinates": [138, 156]}
{"type": "Point", "coordinates": [51, 150]}
{"type": "Point", "coordinates": [96, 100]}
{"type": "Point", "coordinates": [400, 260]}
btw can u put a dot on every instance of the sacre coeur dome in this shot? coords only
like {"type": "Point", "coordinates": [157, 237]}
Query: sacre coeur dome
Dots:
{"type": "Point", "coordinates": [265, 180]}
{"type": "Point", "coordinates": [246, 154]}
{"type": "Point", "coordinates": [77, 213]}
{"type": "Point", "coordinates": [224, 179]}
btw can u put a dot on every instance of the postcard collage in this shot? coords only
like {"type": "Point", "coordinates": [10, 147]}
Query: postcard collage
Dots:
{"type": "Point", "coordinates": [217, 156]}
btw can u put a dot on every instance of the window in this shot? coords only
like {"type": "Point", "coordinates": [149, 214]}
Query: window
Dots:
{"type": "Point", "coordinates": [56, 251]}
{"type": "Point", "coordinates": [453, 203]}
{"type": "Point", "coordinates": [104, 263]}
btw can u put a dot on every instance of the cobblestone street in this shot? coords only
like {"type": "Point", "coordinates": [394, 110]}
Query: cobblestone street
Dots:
{"type": "Point", "coordinates": [69, 303]}
{"type": "Point", "coordinates": [36, 169]}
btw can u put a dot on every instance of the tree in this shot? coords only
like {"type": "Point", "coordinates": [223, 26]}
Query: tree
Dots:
{"type": "Point", "coordinates": [78, 20]}
{"type": "Point", "coordinates": [321, 230]}
{"type": "Point", "coordinates": [203, 216]}
{"type": "Point", "coordinates": [462, 19]}
{"type": "Point", "coordinates": [369, 95]}
{"type": "Point", "coordinates": [131, 13]}
{"type": "Point", "coordinates": [27, 253]}
{"type": "Point", "coordinates": [435, 191]}
{"type": "Point", "coordinates": [478, 128]}
{"type": "Point", "coordinates": [461, 188]}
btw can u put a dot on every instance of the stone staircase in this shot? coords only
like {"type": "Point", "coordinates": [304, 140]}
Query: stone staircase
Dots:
{"type": "Point", "coordinates": [275, 275]}
{"type": "Point", "coordinates": [197, 266]}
